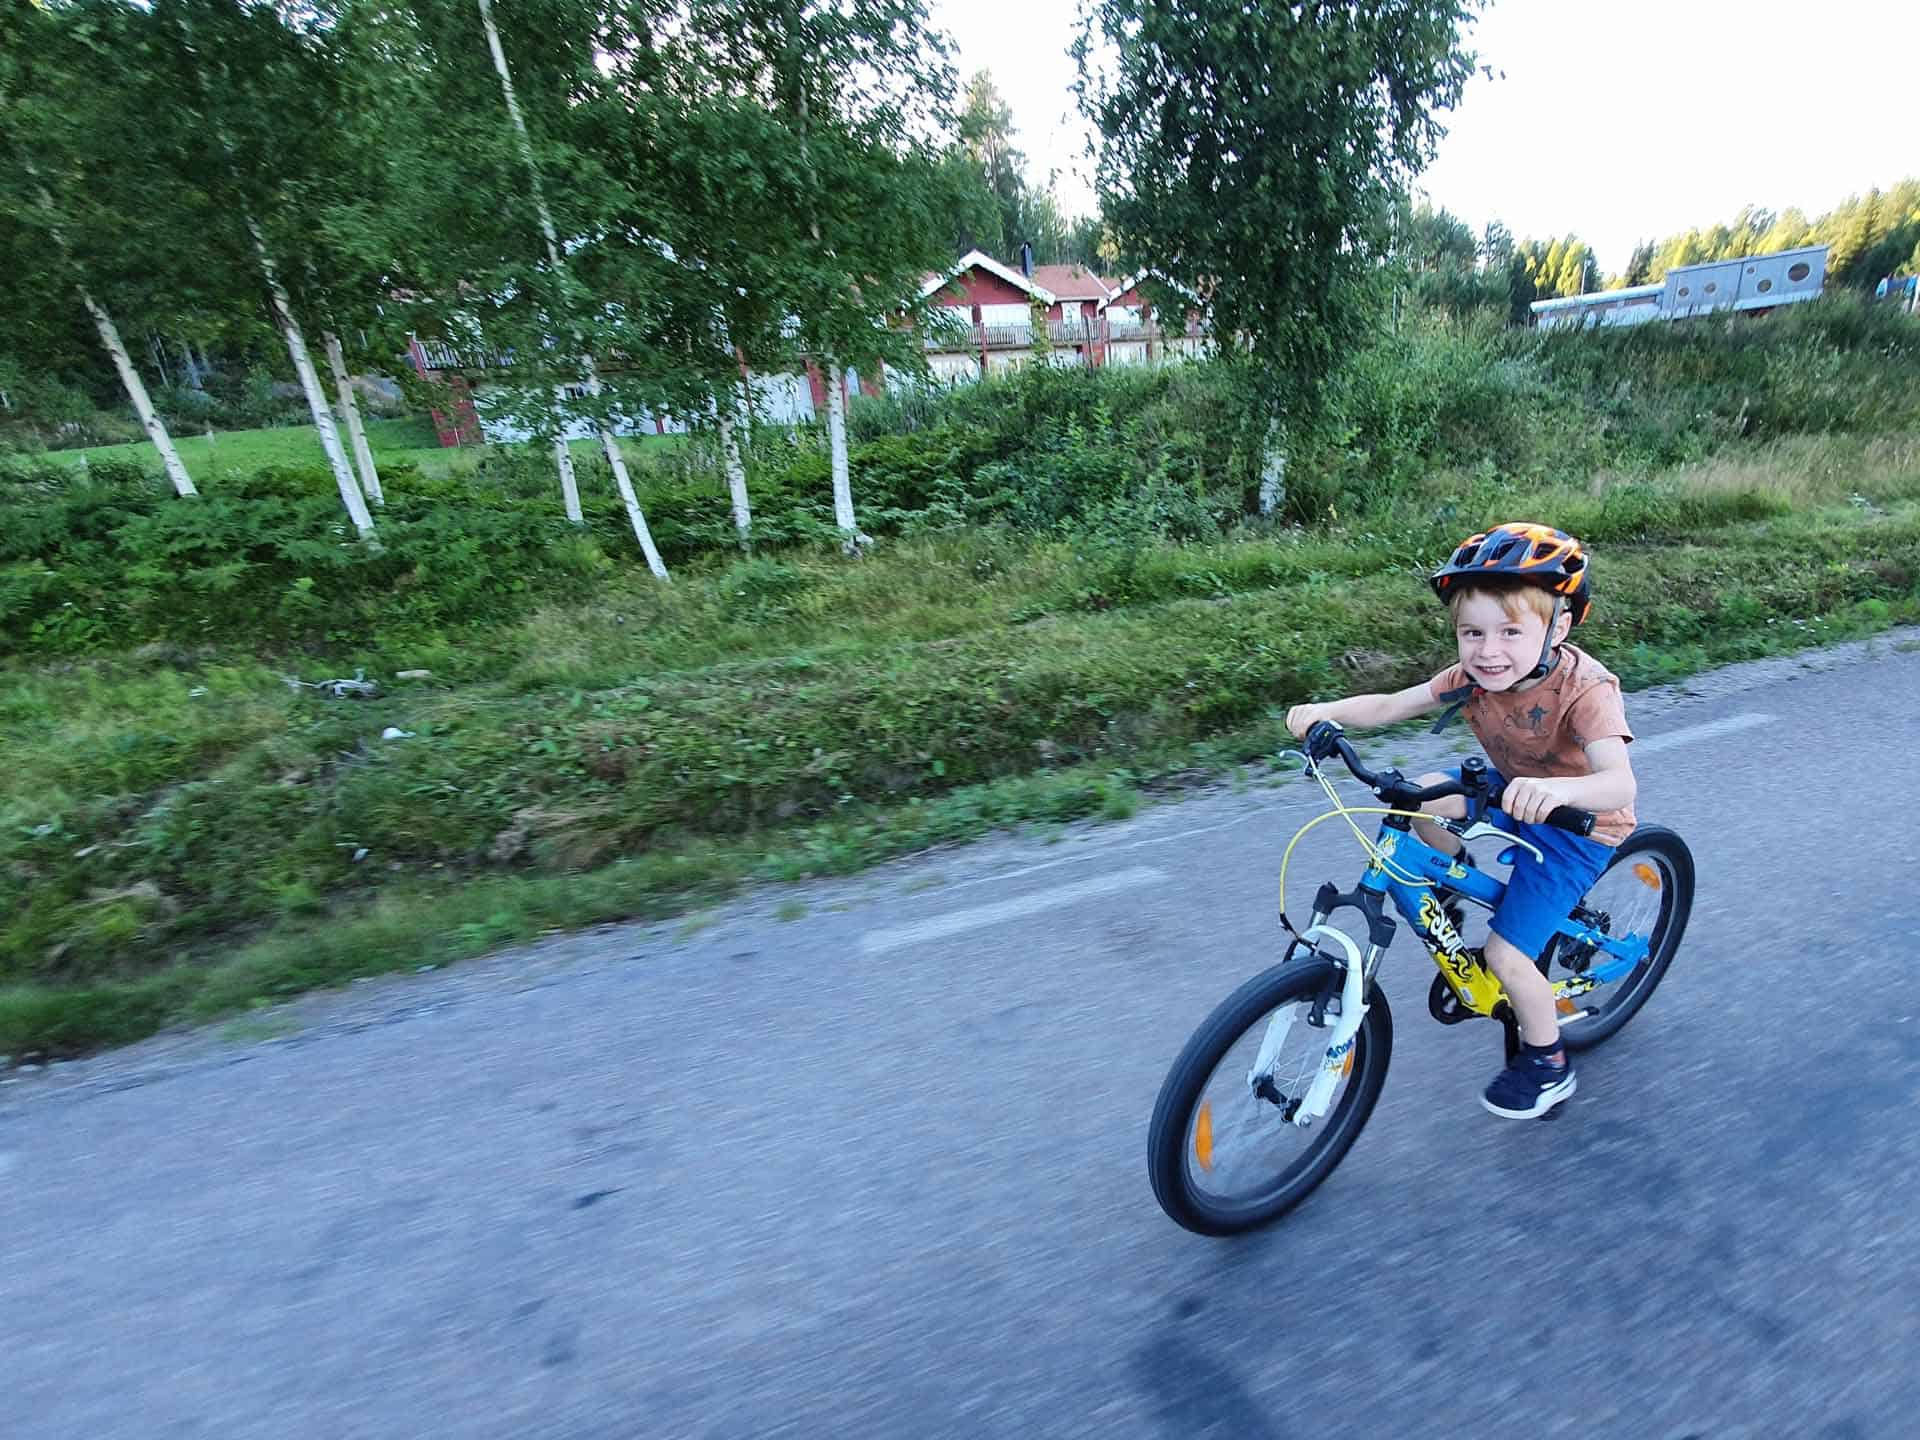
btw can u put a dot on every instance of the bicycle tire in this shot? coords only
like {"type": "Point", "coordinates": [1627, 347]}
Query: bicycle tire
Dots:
{"type": "Point", "coordinates": [1658, 851]}
{"type": "Point", "coordinates": [1171, 1135]}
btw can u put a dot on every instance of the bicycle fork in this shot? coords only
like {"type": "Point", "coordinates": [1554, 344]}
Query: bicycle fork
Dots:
{"type": "Point", "coordinates": [1303, 1110]}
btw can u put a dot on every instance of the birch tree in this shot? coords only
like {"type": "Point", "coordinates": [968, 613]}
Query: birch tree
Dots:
{"type": "Point", "coordinates": [609, 445]}
{"type": "Point", "coordinates": [57, 250]}
{"type": "Point", "coordinates": [861, 89]}
{"type": "Point", "coordinates": [234, 100]}
{"type": "Point", "coordinates": [350, 414]}
{"type": "Point", "coordinates": [1252, 155]}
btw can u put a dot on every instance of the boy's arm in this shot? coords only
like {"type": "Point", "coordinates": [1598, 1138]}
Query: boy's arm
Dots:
{"type": "Point", "coordinates": [1363, 712]}
{"type": "Point", "coordinates": [1611, 786]}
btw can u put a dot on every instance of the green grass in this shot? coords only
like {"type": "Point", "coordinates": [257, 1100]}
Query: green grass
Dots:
{"type": "Point", "coordinates": [182, 830]}
{"type": "Point", "coordinates": [409, 441]}
{"type": "Point", "coordinates": [182, 834]}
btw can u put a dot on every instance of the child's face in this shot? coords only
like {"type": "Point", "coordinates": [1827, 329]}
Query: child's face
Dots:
{"type": "Point", "coordinates": [1498, 648]}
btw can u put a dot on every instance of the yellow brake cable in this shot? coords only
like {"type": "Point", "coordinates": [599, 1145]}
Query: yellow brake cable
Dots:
{"type": "Point", "coordinates": [1347, 813]}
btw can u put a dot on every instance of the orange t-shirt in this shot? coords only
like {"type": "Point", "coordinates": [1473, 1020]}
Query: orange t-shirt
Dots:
{"type": "Point", "coordinates": [1543, 732]}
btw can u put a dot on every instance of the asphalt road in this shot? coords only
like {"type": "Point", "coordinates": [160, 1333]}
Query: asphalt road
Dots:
{"type": "Point", "coordinates": [878, 1170]}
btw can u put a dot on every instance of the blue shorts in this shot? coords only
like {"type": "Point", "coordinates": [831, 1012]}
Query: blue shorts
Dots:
{"type": "Point", "coordinates": [1539, 896]}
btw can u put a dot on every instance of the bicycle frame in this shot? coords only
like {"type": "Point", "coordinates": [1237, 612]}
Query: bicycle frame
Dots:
{"type": "Point", "coordinates": [1402, 853]}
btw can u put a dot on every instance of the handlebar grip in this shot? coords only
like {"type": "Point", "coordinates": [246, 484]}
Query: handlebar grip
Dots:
{"type": "Point", "coordinates": [1565, 817]}
{"type": "Point", "coordinates": [1561, 817]}
{"type": "Point", "coordinates": [1323, 738]}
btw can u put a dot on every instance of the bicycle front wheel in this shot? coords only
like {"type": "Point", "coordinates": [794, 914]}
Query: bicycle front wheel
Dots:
{"type": "Point", "coordinates": [1222, 1152]}
{"type": "Point", "coordinates": [1645, 893]}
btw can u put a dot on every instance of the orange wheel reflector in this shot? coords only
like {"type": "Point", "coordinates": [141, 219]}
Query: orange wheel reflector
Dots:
{"type": "Point", "coordinates": [1564, 1005]}
{"type": "Point", "coordinates": [1346, 1065]}
{"type": "Point", "coordinates": [1203, 1137]}
{"type": "Point", "coordinates": [1647, 876]}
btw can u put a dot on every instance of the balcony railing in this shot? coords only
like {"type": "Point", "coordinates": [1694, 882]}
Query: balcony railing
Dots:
{"type": "Point", "coordinates": [442, 356]}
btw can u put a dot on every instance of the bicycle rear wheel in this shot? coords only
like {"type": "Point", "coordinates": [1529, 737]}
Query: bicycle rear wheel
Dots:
{"type": "Point", "coordinates": [1222, 1152]}
{"type": "Point", "coordinates": [1645, 891]}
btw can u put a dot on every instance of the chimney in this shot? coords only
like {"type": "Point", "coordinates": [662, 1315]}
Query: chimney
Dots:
{"type": "Point", "coordinates": [1026, 258]}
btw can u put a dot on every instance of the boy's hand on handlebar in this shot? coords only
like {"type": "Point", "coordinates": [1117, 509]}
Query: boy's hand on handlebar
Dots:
{"type": "Point", "coordinates": [1302, 718]}
{"type": "Point", "coordinates": [1532, 800]}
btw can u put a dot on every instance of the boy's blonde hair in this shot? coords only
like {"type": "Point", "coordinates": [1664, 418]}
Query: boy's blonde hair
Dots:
{"type": "Point", "coordinates": [1515, 600]}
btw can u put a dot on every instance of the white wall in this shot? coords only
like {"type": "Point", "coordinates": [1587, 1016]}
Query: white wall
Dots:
{"type": "Point", "coordinates": [782, 399]}
{"type": "Point", "coordinates": [1771, 279]}
{"type": "Point", "coordinates": [501, 429]}
{"type": "Point", "coordinates": [951, 368]}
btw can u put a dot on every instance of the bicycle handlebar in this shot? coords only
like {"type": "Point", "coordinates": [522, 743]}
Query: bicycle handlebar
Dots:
{"type": "Point", "coordinates": [1326, 738]}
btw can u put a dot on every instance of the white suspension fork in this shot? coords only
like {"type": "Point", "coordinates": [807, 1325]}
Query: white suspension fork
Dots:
{"type": "Point", "coordinates": [1353, 1009]}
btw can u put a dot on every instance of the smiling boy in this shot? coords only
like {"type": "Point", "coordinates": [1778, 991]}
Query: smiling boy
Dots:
{"type": "Point", "coordinates": [1553, 725]}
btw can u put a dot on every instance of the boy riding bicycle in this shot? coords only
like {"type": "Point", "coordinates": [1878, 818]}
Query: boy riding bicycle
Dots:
{"type": "Point", "coordinates": [1553, 725]}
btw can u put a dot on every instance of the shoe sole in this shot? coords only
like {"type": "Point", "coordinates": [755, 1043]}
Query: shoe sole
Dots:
{"type": "Point", "coordinates": [1545, 1101]}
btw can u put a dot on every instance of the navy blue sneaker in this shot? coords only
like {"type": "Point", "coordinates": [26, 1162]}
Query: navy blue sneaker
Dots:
{"type": "Point", "coordinates": [1531, 1086]}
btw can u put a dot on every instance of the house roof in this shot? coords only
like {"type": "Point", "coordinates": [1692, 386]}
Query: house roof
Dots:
{"type": "Point", "coordinates": [1119, 287]}
{"type": "Point", "coordinates": [1072, 282]}
{"type": "Point", "coordinates": [984, 261]}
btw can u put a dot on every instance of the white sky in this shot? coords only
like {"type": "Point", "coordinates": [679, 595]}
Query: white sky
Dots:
{"type": "Point", "coordinates": [1618, 121]}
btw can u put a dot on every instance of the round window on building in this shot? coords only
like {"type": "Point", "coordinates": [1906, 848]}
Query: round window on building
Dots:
{"type": "Point", "coordinates": [1684, 292]}
{"type": "Point", "coordinates": [1799, 270]}
{"type": "Point", "coordinates": [1711, 287]}
{"type": "Point", "coordinates": [1765, 285]}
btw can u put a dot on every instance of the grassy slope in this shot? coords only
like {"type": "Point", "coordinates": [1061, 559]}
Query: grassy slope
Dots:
{"type": "Point", "coordinates": [180, 827]}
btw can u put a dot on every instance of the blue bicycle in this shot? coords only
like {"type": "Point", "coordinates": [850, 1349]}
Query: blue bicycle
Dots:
{"type": "Point", "coordinates": [1276, 1085]}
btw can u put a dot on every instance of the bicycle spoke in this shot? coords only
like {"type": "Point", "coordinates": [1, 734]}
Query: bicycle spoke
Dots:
{"type": "Point", "coordinates": [1240, 1139]}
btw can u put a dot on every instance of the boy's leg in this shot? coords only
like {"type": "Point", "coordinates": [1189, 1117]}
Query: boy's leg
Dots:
{"type": "Point", "coordinates": [1540, 1076]}
{"type": "Point", "coordinates": [1540, 893]}
{"type": "Point", "coordinates": [1530, 992]}
{"type": "Point", "coordinates": [1454, 807]}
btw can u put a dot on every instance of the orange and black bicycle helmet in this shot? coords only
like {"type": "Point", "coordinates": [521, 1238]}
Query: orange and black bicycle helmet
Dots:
{"type": "Point", "coordinates": [1524, 554]}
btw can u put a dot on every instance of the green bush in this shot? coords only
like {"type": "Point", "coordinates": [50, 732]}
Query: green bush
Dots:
{"type": "Point", "coordinates": [115, 559]}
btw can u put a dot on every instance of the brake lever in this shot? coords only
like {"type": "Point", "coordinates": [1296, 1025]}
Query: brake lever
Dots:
{"type": "Point", "coordinates": [1480, 830]}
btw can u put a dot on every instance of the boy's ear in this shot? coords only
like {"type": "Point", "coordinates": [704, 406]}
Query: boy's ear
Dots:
{"type": "Point", "coordinates": [1562, 626]}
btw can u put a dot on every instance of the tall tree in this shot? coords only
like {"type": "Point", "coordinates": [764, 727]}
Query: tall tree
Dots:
{"type": "Point", "coordinates": [249, 141]}
{"type": "Point", "coordinates": [1252, 155]}
{"type": "Point", "coordinates": [1639, 269]}
{"type": "Point", "coordinates": [986, 130]}
{"type": "Point", "coordinates": [59, 161]}
{"type": "Point", "coordinates": [861, 88]}
{"type": "Point", "coordinates": [609, 446]}
{"type": "Point", "coordinates": [1496, 245]}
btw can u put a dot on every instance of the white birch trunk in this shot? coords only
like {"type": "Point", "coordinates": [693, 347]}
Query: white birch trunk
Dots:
{"type": "Point", "coordinates": [569, 486]}
{"type": "Point", "coordinates": [350, 411]}
{"type": "Point", "coordinates": [297, 351]}
{"type": "Point", "coordinates": [623, 482]}
{"type": "Point", "coordinates": [620, 478]}
{"type": "Point", "coordinates": [851, 540]}
{"type": "Point", "coordinates": [520, 130]}
{"type": "Point", "coordinates": [137, 392]}
{"type": "Point", "coordinates": [116, 348]}
{"type": "Point", "coordinates": [1273, 471]}
{"type": "Point", "coordinates": [736, 467]}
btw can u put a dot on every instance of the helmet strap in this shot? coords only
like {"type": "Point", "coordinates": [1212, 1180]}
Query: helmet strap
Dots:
{"type": "Point", "coordinates": [1549, 655]}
